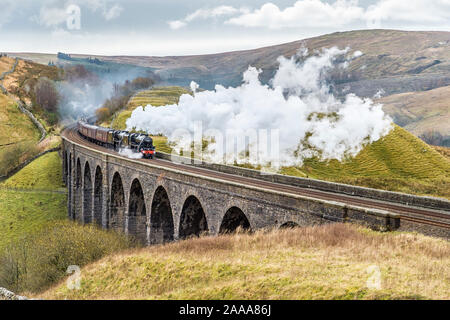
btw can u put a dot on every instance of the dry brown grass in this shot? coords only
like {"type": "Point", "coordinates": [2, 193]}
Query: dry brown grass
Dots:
{"type": "Point", "coordinates": [445, 151]}
{"type": "Point", "coordinates": [322, 262]}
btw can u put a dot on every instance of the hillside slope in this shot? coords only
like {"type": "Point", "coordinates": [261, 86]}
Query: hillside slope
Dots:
{"type": "Point", "coordinates": [421, 112]}
{"type": "Point", "coordinates": [334, 261]}
{"type": "Point", "coordinates": [37, 242]}
{"type": "Point", "coordinates": [397, 162]}
{"type": "Point", "coordinates": [23, 209]}
{"type": "Point", "coordinates": [18, 135]}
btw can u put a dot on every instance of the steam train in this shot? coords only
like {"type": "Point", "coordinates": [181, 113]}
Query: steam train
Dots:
{"type": "Point", "coordinates": [117, 139]}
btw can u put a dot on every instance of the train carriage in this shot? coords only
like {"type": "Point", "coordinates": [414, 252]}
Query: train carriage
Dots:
{"type": "Point", "coordinates": [102, 135]}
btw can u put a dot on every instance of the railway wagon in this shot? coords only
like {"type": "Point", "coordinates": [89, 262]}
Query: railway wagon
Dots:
{"type": "Point", "coordinates": [104, 136]}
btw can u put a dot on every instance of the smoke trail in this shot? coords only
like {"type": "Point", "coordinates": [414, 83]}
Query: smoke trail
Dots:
{"type": "Point", "coordinates": [81, 99]}
{"type": "Point", "coordinates": [308, 120]}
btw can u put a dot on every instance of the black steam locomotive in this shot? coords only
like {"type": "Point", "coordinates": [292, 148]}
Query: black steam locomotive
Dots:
{"type": "Point", "coordinates": [117, 139]}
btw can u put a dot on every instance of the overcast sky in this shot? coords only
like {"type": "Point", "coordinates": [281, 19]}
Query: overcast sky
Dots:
{"type": "Point", "coordinates": [171, 27]}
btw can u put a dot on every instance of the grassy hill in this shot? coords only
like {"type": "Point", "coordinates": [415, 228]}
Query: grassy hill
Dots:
{"type": "Point", "coordinates": [18, 135]}
{"type": "Point", "coordinates": [323, 262]}
{"type": "Point", "coordinates": [397, 162]}
{"type": "Point", "coordinates": [27, 201]}
{"type": "Point", "coordinates": [37, 243]}
{"type": "Point", "coordinates": [42, 174]}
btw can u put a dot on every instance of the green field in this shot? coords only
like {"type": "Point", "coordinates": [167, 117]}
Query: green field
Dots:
{"type": "Point", "coordinates": [28, 199]}
{"type": "Point", "coordinates": [37, 242]}
{"type": "Point", "coordinates": [42, 174]}
{"type": "Point", "coordinates": [18, 135]}
{"type": "Point", "coordinates": [324, 262]}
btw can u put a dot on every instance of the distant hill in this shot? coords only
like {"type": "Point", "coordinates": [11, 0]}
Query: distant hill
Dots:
{"type": "Point", "coordinates": [421, 112]}
{"type": "Point", "coordinates": [397, 61]}
{"type": "Point", "coordinates": [393, 62]}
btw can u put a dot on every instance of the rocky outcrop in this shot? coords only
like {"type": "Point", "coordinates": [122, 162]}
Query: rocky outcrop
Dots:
{"type": "Point", "coordinates": [5, 294]}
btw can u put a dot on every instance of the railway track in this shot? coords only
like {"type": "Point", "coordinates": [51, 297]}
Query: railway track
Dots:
{"type": "Point", "coordinates": [417, 215]}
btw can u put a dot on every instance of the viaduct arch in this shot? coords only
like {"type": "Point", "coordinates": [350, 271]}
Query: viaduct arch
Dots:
{"type": "Point", "coordinates": [157, 204]}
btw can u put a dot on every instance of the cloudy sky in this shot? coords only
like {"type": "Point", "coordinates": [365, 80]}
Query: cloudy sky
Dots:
{"type": "Point", "coordinates": [180, 27]}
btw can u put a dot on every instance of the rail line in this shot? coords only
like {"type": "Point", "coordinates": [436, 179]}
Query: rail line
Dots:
{"type": "Point", "coordinates": [423, 216]}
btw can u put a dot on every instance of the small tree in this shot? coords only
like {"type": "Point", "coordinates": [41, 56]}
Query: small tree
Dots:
{"type": "Point", "coordinates": [47, 95]}
{"type": "Point", "coordinates": [142, 83]}
{"type": "Point", "coordinates": [432, 137]}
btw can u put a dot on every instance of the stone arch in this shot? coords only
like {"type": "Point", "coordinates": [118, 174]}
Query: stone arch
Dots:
{"type": "Point", "coordinates": [233, 219]}
{"type": "Point", "coordinates": [98, 196]}
{"type": "Point", "coordinates": [87, 192]}
{"type": "Point", "coordinates": [137, 213]}
{"type": "Point", "coordinates": [78, 180]}
{"type": "Point", "coordinates": [117, 212]}
{"type": "Point", "coordinates": [289, 225]}
{"type": "Point", "coordinates": [193, 219]}
{"type": "Point", "coordinates": [161, 218]}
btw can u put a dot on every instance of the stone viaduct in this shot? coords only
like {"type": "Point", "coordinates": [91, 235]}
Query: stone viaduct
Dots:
{"type": "Point", "coordinates": [156, 204]}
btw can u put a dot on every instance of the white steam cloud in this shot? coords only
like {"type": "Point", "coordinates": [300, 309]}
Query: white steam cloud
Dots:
{"type": "Point", "coordinates": [296, 115]}
{"type": "Point", "coordinates": [129, 153]}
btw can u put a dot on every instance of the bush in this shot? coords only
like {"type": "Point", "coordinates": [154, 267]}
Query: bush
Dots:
{"type": "Point", "coordinates": [102, 114]}
{"type": "Point", "coordinates": [142, 83]}
{"type": "Point", "coordinates": [432, 137]}
{"type": "Point", "coordinates": [16, 154]}
{"type": "Point", "coordinates": [40, 260]}
{"type": "Point", "coordinates": [47, 95]}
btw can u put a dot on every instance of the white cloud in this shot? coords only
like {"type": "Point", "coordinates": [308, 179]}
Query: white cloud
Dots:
{"type": "Point", "coordinates": [206, 14]}
{"type": "Point", "coordinates": [318, 13]}
{"type": "Point", "coordinates": [113, 12]}
{"type": "Point", "coordinates": [304, 13]}
{"type": "Point", "coordinates": [177, 24]}
{"type": "Point", "coordinates": [51, 17]}
{"type": "Point", "coordinates": [415, 11]}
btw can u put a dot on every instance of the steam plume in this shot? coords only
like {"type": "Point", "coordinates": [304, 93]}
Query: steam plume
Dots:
{"type": "Point", "coordinates": [298, 104]}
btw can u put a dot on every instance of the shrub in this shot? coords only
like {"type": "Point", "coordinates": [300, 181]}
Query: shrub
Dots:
{"type": "Point", "coordinates": [102, 114]}
{"type": "Point", "coordinates": [142, 83]}
{"type": "Point", "coordinates": [47, 95]}
{"type": "Point", "coordinates": [15, 154]}
{"type": "Point", "coordinates": [39, 260]}
{"type": "Point", "coordinates": [432, 137]}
